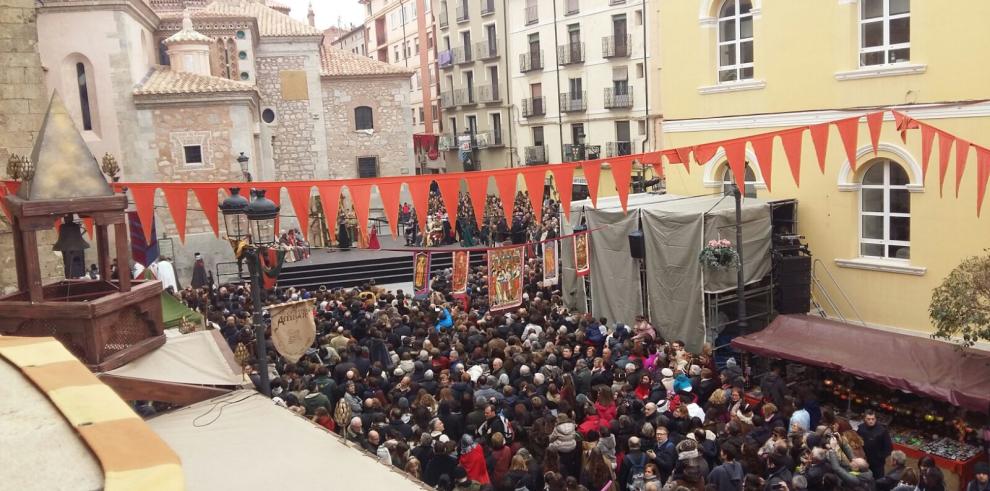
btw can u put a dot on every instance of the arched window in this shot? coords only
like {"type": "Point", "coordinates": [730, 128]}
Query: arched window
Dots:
{"type": "Point", "coordinates": [87, 118]}
{"type": "Point", "coordinates": [363, 118]}
{"type": "Point", "coordinates": [735, 41]}
{"type": "Point", "coordinates": [728, 179]}
{"type": "Point", "coordinates": [885, 211]}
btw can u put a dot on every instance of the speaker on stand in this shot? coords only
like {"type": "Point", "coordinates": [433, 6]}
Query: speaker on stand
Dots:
{"type": "Point", "coordinates": [637, 249]}
{"type": "Point", "coordinates": [791, 260]}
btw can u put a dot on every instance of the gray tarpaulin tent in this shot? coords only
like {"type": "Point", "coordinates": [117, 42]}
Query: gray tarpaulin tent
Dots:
{"type": "Point", "coordinates": [675, 229]}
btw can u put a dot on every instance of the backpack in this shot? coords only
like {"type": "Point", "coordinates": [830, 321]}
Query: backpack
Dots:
{"type": "Point", "coordinates": [636, 479]}
{"type": "Point", "coordinates": [509, 432]}
{"type": "Point", "coordinates": [342, 413]}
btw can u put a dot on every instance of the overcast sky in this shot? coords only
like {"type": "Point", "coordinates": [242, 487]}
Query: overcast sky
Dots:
{"type": "Point", "coordinates": [328, 12]}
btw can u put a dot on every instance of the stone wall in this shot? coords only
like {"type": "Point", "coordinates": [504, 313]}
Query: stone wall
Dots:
{"type": "Point", "coordinates": [293, 140]}
{"type": "Point", "coordinates": [391, 139]}
{"type": "Point", "coordinates": [22, 106]}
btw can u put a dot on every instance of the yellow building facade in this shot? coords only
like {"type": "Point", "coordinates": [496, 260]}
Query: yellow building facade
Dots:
{"type": "Point", "coordinates": [732, 68]}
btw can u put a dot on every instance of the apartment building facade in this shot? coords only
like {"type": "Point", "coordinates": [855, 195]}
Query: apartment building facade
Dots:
{"type": "Point", "coordinates": [580, 78]}
{"type": "Point", "coordinates": [474, 84]}
{"type": "Point", "coordinates": [351, 41]}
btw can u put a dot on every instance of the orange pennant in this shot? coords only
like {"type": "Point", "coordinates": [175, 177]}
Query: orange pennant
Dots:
{"type": "Point", "coordinates": [848, 132]}
{"type": "Point", "coordinates": [535, 179]}
{"type": "Point", "coordinates": [563, 180]}
{"type": "Point", "coordinates": [299, 197]}
{"type": "Point", "coordinates": [621, 174]}
{"type": "Point", "coordinates": [735, 153]}
{"type": "Point", "coordinates": [176, 197]}
{"type": "Point", "coordinates": [144, 201]}
{"type": "Point", "coordinates": [506, 183]}
{"type": "Point", "coordinates": [88, 223]}
{"type": "Point", "coordinates": [592, 170]}
{"type": "Point", "coordinates": [704, 153]}
{"type": "Point", "coordinates": [945, 142]}
{"type": "Point", "coordinates": [361, 196]}
{"type": "Point", "coordinates": [927, 136]}
{"type": "Point", "coordinates": [791, 141]}
{"type": "Point", "coordinates": [3, 204]}
{"type": "Point", "coordinates": [683, 155]}
{"type": "Point", "coordinates": [478, 189]}
{"type": "Point", "coordinates": [390, 191]}
{"type": "Point", "coordinates": [419, 188]}
{"type": "Point", "coordinates": [875, 122]}
{"type": "Point", "coordinates": [330, 200]}
{"type": "Point", "coordinates": [207, 197]}
{"type": "Point", "coordinates": [763, 148]}
{"type": "Point", "coordinates": [274, 193]}
{"type": "Point", "coordinates": [962, 151]}
{"type": "Point", "coordinates": [982, 176]}
{"type": "Point", "coordinates": [819, 137]}
{"type": "Point", "coordinates": [450, 188]}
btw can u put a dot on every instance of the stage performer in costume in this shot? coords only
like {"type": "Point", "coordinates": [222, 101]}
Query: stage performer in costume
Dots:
{"type": "Point", "coordinates": [343, 237]}
{"type": "Point", "coordinates": [373, 242]}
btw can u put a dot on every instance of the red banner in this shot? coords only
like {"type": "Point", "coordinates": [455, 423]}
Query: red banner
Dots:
{"type": "Point", "coordinates": [505, 277]}
{"type": "Point", "coordinates": [582, 254]}
{"type": "Point", "coordinates": [421, 273]}
{"type": "Point", "coordinates": [459, 276]}
{"type": "Point", "coordinates": [551, 269]}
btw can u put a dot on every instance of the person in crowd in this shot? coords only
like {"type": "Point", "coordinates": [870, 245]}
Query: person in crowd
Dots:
{"type": "Point", "coordinates": [877, 444]}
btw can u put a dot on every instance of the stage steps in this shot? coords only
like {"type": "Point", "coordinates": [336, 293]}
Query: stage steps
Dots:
{"type": "Point", "coordinates": [354, 273]}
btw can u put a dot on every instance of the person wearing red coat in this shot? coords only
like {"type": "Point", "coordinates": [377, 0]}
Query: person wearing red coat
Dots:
{"type": "Point", "coordinates": [473, 460]}
{"type": "Point", "coordinates": [592, 421]}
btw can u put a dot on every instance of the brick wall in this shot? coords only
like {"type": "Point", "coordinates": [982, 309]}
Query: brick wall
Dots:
{"type": "Point", "coordinates": [294, 140]}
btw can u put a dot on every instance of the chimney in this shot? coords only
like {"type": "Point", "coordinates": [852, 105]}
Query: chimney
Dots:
{"type": "Point", "coordinates": [188, 50]}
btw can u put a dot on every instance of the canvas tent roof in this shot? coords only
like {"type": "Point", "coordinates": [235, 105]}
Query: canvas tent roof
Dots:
{"type": "Point", "coordinates": [198, 358]}
{"type": "Point", "coordinates": [173, 312]}
{"type": "Point", "coordinates": [212, 436]}
{"type": "Point", "coordinates": [910, 363]}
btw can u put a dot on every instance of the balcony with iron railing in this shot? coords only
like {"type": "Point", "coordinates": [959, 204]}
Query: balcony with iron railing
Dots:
{"type": "Point", "coordinates": [532, 15]}
{"type": "Point", "coordinates": [618, 99]}
{"type": "Point", "coordinates": [573, 102]}
{"type": "Point", "coordinates": [571, 7]}
{"type": "Point", "coordinates": [616, 46]}
{"type": "Point", "coordinates": [536, 155]}
{"type": "Point", "coordinates": [447, 141]}
{"type": "Point", "coordinates": [446, 100]}
{"type": "Point", "coordinates": [571, 53]}
{"type": "Point", "coordinates": [574, 152]}
{"type": "Point", "coordinates": [618, 149]}
{"type": "Point", "coordinates": [487, 7]}
{"type": "Point", "coordinates": [486, 50]}
{"type": "Point", "coordinates": [489, 94]}
{"type": "Point", "coordinates": [442, 18]}
{"type": "Point", "coordinates": [533, 106]}
{"type": "Point", "coordinates": [463, 14]}
{"type": "Point", "coordinates": [531, 61]}
{"type": "Point", "coordinates": [462, 55]}
{"type": "Point", "coordinates": [464, 97]}
{"type": "Point", "coordinates": [445, 58]}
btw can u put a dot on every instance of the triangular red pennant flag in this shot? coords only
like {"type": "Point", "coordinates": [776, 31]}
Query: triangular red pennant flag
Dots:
{"type": "Point", "coordinates": [176, 196]}
{"type": "Point", "coordinates": [506, 184]}
{"type": "Point", "coordinates": [672, 157]}
{"type": "Point", "coordinates": [819, 137]}
{"type": "Point", "coordinates": [982, 176]}
{"type": "Point", "coordinates": [704, 153]}
{"type": "Point", "coordinates": [207, 197]}
{"type": "Point", "coordinates": [683, 155]}
{"type": "Point", "coordinates": [591, 171]}
{"type": "Point", "coordinates": [927, 136]}
{"type": "Point", "coordinates": [419, 188]}
{"type": "Point", "coordinates": [735, 153]}
{"type": "Point", "coordinates": [874, 121]}
{"type": "Point", "coordinates": [360, 197]}
{"type": "Point", "coordinates": [330, 201]}
{"type": "Point", "coordinates": [900, 123]}
{"type": "Point", "coordinates": [791, 141]}
{"type": "Point", "coordinates": [478, 189]}
{"type": "Point", "coordinates": [621, 174]}
{"type": "Point", "coordinates": [563, 181]}
{"type": "Point", "coordinates": [299, 197]}
{"type": "Point", "coordinates": [274, 193]}
{"type": "Point", "coordinates": [88, 223]}
{"type": "Point", "coordinates": [144, 201]}
{"type": "Point", "coordinates": [450, 188]}
{"type": "Point", "coordinates": [763, 148]}
{"type": "Point", "coordinates": [535, 180]}
{"type": "Point", "coordinates": [945, 142]}
{"type": "Point", "coordinates": [962, 151]}
{"type": "Point", "coordinates": [848, 132]}
{"type": "Point", "coordinates": [390, 191]}
{"type": "Point", "coordinates": [3, 205]}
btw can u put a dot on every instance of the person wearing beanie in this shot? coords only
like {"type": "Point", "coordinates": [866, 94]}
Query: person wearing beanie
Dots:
{"type": "Point", "coordinates": [981, 478]}
{"type": "Point", "coordinates": [668, 379]}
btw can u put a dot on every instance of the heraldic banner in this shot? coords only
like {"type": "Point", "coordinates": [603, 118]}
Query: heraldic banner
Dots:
{"type": "Point", "coordinates": [421, 273]}
{"type": "Point", "coordinates": [551, 272]}
{"type": "Point", "coordinates": [582, 257]}
{"type": "Point", "coordinates": [505, 277]}
{"type": "Point", "coordinates": [293, 328]}
{"type": "Point", "coordinates": [460, 275]}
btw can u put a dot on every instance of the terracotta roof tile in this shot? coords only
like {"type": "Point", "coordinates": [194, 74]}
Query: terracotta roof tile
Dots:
{"type": "Point", "coordinates": [164, 81]}
{"type": "Point", "coordinates": [339, 63]}
{"type": "Point", "coordinates": [270, 22]}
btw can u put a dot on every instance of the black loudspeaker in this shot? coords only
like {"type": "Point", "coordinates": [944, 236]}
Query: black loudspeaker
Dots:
{"type": "Point", "coordinates": [793, 284]}
{"type": "Point", "coordinates": [637, 247]}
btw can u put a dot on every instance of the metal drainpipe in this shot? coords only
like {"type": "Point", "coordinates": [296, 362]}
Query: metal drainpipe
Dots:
{"type": "Point", "coordinates": [556, 69]}
{"type": "Point", "coordinates": [508, 81]}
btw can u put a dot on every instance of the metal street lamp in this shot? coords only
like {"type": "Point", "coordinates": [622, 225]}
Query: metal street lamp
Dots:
{"type": "Point", "coordinates": [261, 214]}
{"type": "Point", "coordinates": [234, 218]}
{"type": "Point", "coordinates": [742, 324]}
{"type": "Point", "coordinates": [242, 160]}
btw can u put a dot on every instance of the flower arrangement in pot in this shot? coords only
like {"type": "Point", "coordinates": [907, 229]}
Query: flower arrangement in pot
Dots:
{"type": "Point", "coordinates": [719, 255]}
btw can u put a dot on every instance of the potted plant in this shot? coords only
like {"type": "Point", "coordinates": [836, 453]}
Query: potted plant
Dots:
{"type": "Point", "coordinates": [719, 255]}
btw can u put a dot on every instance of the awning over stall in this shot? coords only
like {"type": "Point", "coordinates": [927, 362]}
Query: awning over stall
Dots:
{"type": "Point", "coordinates": [910, 363]}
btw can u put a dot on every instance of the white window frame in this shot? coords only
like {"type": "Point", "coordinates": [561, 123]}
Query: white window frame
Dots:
{"type": "Point", "coordinates": [736, 42]}
{"type": "Point", "coordinates": [886, 214]}
{"type": "Point", "coordinates": [886, 47]}
{"type": "Point", "coordinates": [727, 177]}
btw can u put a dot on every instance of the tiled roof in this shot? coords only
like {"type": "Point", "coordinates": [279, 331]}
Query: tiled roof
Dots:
{"type": "Point", "coordinates": [164, 81]}
{"type": "Point", "coordinates": [281, 7]}
{"type": "Point", "coordinates": [339, 63]}
{"type": "Point", "coordinates": [187, 34]}
{"type": "Point", "coordinates": [270, 22]}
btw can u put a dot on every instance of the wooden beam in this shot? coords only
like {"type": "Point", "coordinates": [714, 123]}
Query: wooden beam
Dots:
{"type": "Point", "coordinates": [103, 251]}
{"type": "Point", "coordinates": [20, 263]}
{"type": "Point", "coordinates": [136, 389]}
{"type": "Point", "coordinates": [32, 265]}
{"type": "Point", "coordinates": [128, 355]}
{"type": "Point", "coordinates": [123, 256]}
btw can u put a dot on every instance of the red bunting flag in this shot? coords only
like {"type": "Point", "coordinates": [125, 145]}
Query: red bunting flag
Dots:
{"type": "Point", "coordinates": [962, 151]}
{"type": "Point", "coordinates": [390, 191]}
{"type": "Point", "coordinates": [450, 192]}
{"type": "Point", "coordinates": [903, 122]}
{"type": "Point", "coordinates": [621, 174]}
{"type": "Point", "coordinates": [208, 201]}
{"type": "Point", "coordinates": [361, 197]}
{"type": "Point", "coordinates": [478, 189]}
{"type": "Point", "coordinates": [88, 223]}
{"type": "Point", "coordinates": [535, 179]}
{"type": "Point", "coordinates": [704, 153]}
{"type": "Point", "coordinates": [819, 137]}
{"type": "Point", "coordinates": [927, 136]}
{"type": "Point", "coordinates": [563, 180]}
{"type": "Point", "coordinates": [982, 176]}
{"type": "Point", "coordinates": [175, 198]}
{"type": "Point", "coordinates": [683, 155]}
{"type": "Point", "coordinates": [144, 201]}
{"type": "Point", "coordinates": [506, 183]}
{"type": "Point", "coordinates": [274, 193]}
{"type": "Point", "coordinates": [735, 152]}
{"type": "Point", "coordinates": [330, 200]}
{"type": "Point", "coordinates": [848, 132]}
{"type": "Point", "coordinates": [945, 142]}
{"type": "Point", "coordinates": [763, 148]}
{"type": "Point", "coordinates": [420, 191]}
{"type": "Point", "coordinates": [791, 141]}
{"type": "Point", "coordinates": [653, 158]}
{"type": "Point", "coordinates": [591, 173]}
{"type": "Point", "coordinates": [299, 197]}
{"type": "Point", "coordinates": [875, 123]}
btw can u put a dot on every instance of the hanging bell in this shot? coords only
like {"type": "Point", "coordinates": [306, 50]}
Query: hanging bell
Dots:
{"type": "Point", "coordinates": [70, 237]}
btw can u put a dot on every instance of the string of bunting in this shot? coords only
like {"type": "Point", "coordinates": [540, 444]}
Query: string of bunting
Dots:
{"type": "Point", "coordinates": [389, 188]}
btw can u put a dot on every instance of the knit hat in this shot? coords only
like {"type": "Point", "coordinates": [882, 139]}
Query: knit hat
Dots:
{"type": "Point", "coordinates": [981, 468]}
{"type": "Point", "coordinates": [666, 372]}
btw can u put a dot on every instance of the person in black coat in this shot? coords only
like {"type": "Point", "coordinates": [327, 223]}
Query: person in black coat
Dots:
{"type": "Point", "coordinates": [443, 463]}
{"type": "Point", "coordinates": [876, 442]}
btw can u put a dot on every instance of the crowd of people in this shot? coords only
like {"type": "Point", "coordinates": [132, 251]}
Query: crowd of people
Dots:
{"type": "Point", "coordinates": [545, 398]}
